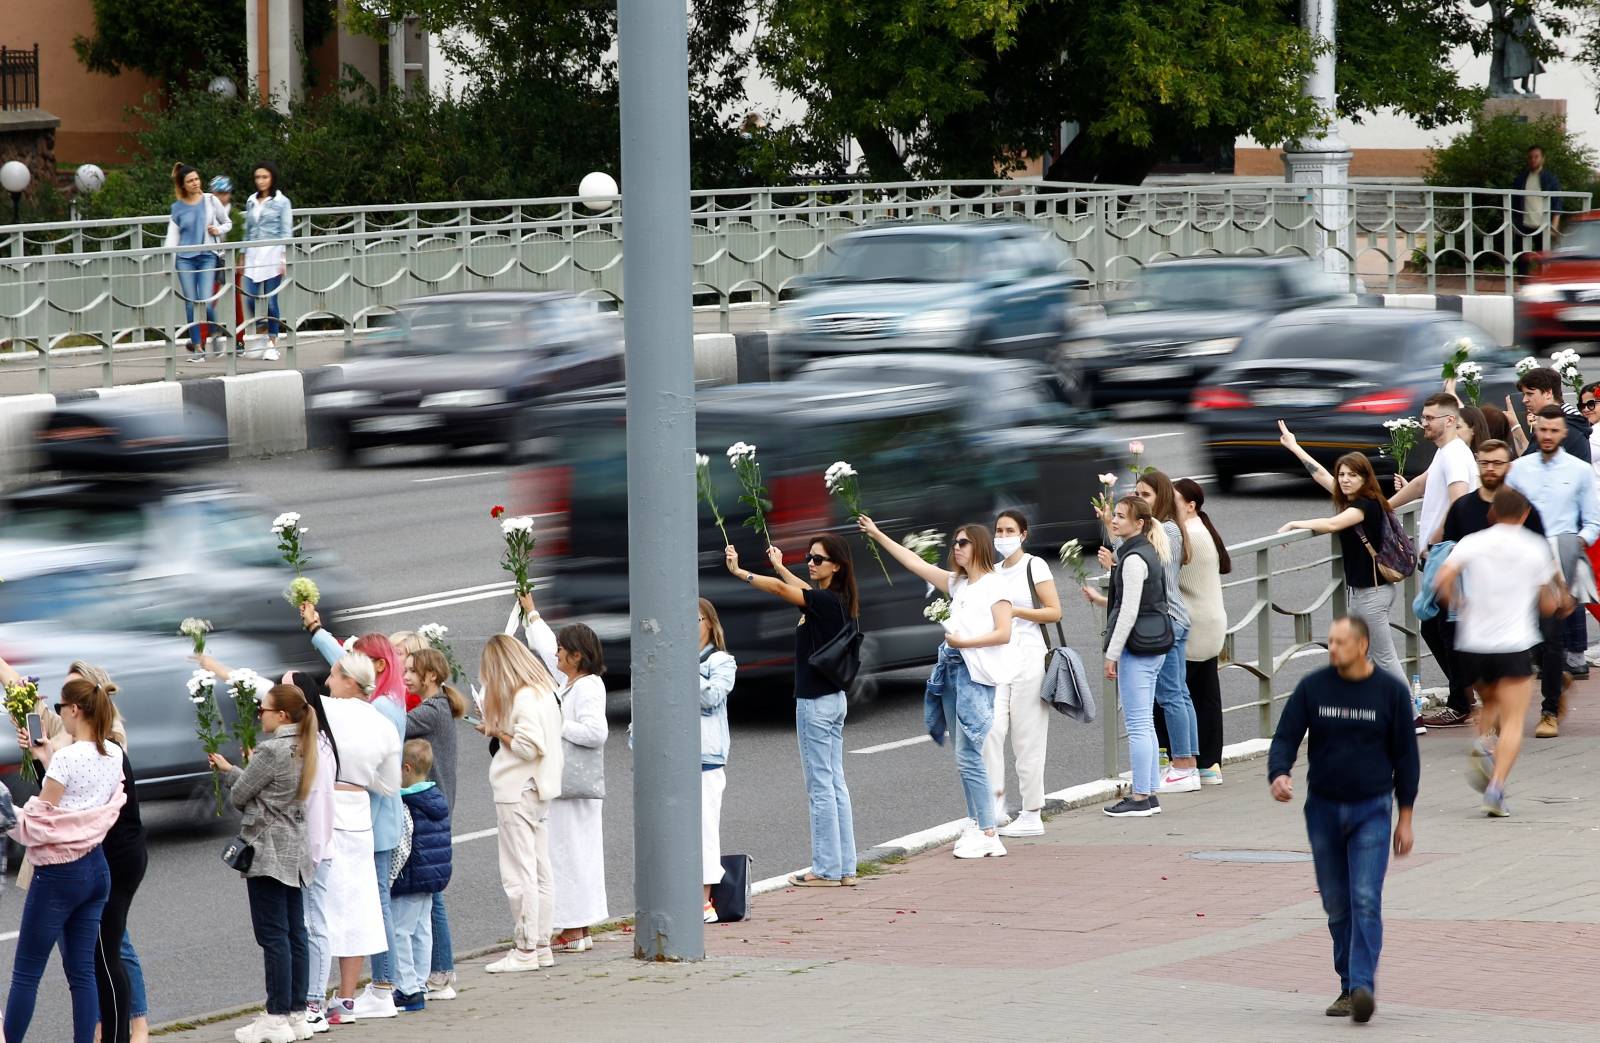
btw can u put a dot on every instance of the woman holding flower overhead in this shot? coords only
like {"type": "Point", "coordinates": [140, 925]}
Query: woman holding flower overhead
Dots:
{"type": "Point", "coordinates": [828, 602]}
{"type": "Point", "coordinates": [975, 657]}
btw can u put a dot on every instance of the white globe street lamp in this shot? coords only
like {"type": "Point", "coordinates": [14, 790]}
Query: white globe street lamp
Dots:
{"type": "Point", "coordinates": [15, 177]}
{"type": "Point", "coordinates": [223, 88]}
{"type": "Point", "coordinates": [88, 179]}
{"type": "Point", "coordinates": [598, 191]}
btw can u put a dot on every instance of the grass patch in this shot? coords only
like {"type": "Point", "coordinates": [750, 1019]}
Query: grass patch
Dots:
{"type": "Point", "coordinates": [880, 867]}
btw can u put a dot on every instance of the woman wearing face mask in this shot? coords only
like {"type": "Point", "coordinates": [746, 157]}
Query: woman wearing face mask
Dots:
{"type": "Point", "coordinates": [1139, 634]}
{"type": "Point", "coordinates": [1018, 709]}
{"type": "Point", "coordinates": [975, 658]}
{"type": "Point", "coordinates": [1200, 580]}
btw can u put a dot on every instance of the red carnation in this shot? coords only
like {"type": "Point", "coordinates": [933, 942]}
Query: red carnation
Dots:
{"type": "Point", "coordinates": [496, 511]}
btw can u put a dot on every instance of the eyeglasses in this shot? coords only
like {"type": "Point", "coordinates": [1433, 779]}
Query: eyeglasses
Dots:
{"type": "Point", "coordinates": [58, 707]}
{"type": "Point", "coordinates": [1429, 419]}
{"type": "Point", "coordinates": [1588, 404]}
{"type": "Point", "coordinates": [817, 559]}
{"type": "Point", "coordinates": [963, 542]}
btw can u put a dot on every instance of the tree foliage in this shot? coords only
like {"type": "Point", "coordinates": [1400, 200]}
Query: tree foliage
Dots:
{"type": "Point", "coordinates": [1492, 153]}
{"type": "Point", "coordinates": [180, 42]}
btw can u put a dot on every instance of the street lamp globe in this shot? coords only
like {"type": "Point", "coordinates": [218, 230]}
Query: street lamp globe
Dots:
{"type": "Point", "coordinates": [223, 88]}
{"type": "Point", "coordinates": [15, 177]}
{"type": "Point", "coordinates": [89, 179]}
{"type": "Point", "coordinates": [598, 190]}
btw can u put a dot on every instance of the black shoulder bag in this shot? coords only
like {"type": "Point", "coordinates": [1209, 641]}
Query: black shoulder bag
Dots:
{"type": "Point", "coordinates": [839, 661]}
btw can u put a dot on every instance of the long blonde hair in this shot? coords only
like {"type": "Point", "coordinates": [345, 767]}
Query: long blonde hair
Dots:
{"type": "Point", "coordinates": [506, 668]}
{"type": "Point", "coordinates": [293, 704]}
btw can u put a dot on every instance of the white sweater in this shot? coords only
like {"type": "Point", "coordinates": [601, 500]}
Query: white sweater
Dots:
{"type": "Point", "coordinates": [1201, 583]}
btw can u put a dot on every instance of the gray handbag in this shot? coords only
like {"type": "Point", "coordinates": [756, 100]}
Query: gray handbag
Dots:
{"type": "Point", "coordinates": [1066, 684]}
{"type": "Point", "coordinates": [583, 769]}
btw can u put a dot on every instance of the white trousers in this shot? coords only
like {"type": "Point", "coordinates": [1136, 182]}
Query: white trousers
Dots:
{"type": "Point", "coordinates": [1019, 712]}
{"type": "Point", "coordinates": [712, 783]}
{"type": "Point", "coordinates": [525, 872]}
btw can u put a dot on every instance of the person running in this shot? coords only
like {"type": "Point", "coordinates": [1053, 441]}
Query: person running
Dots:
{"type": "Point", "coordinates": [1362, 762]}
{"type": "Point", "coordinates": [975, 658]}
{"type": "Point", "coordinates": [827, 603]}
{"type": "Point", "coordinates": [1018, 709]}
{"type": "Point", "coordinates": [1359, 523]}
{"type": "Point", "coordinates": [1200, 581]}
{"type": "Point", "coordinates": [719, 672]}
{"type": "Point", "coordinates": [190, 223]}
{"type": "Point", "coordinates": [1563, 489]}
{"type": "Point", "coordinates": [268, 215]}
{"type": "Point", "coordinates": [1508, 579]}
{"type": "Point", "coordinates": [1138, 636]}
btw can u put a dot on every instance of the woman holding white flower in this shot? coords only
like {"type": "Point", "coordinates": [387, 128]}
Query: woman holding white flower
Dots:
{"type": "Point", "coordinates": [827, 603]}
{"type": "Point", "coordinates": [976, 656]}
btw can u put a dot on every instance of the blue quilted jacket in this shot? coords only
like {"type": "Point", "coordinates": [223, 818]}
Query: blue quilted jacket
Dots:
{"type": "Point", "coordinates": [428, 868]}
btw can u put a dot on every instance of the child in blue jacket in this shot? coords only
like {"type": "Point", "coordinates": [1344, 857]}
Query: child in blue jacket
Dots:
{"type": "Point", "coordinates": [425, 872]}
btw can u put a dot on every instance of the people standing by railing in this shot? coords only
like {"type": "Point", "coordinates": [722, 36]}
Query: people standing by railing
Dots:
{"type": "Point", "coordinates": [1200, 581]}
{"type": "Point", "coordinates": [719, 672]}
{"type": "Point", "coordinates": [192, 224]}
{"type": "Point", "coordinates": [268, 215]}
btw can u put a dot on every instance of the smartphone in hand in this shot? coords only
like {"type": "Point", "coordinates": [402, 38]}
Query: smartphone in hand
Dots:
{"type": "Point", "coordinates": [36, 729]}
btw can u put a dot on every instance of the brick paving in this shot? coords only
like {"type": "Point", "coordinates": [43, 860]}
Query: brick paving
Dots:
{"type": "Point", "coordinates": [1103, 927]}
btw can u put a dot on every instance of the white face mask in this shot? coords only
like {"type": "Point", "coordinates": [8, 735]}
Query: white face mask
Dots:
{"type": "Point", "coordinates": [1005, 546]}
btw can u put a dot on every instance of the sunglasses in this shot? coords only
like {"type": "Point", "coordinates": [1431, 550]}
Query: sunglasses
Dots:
{"type": "Point", "coordinates": [263, 710]}
{"type": "Point", "coordinates": [58, 707]}
{"type": "Point", "coordinates": [817, 559]}
{"type": "Point", "coordinates": [1588, 404]}
{"type": "Point", "coordinates": [963, 542]}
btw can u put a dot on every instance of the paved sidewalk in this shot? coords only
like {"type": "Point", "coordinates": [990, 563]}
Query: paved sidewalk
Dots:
{"type": "Point", "coordinates": [1103, 927]}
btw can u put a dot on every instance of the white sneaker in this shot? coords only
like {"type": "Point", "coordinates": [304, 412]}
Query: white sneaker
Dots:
{"type": "Point", "coordinates": [376, 1003]}
{"type": "Point", "coordinates": [513, 962]}
{"type": "Point", "coordinates": [1593, 655]}
{"type": "Point", "coordinates": [546, 956]}
{"type": "Point", "coordinates": [1026, 824]}
{"type": "Point", "coordinates": [1000, 816]}
{"type": "Point", "coordinates": [271, 355]}
{"type": "Point", "coordinates": [301, 1025]}
{"type": "Point", "coordinates": [1180, 780]}
{"type": "Point", "coordinates": [980, 845]}
{"type": "Point", "coordinates": [441, 985]}
{"type": "Point", "coordinates": [268, 1028]}
{"type": "Point", "coordinates": [317, 1020]}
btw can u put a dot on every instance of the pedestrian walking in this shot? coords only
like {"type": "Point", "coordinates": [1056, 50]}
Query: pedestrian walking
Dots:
{"type": "Point", "coordinates": [268, 215]}
{"type": "Point", "coordinates": [191, 221]}
{"type": "Point", "coordinates": [975, 659]}
{"type": "Point", "coordinates": [1359, 521]}
{"type": "Point", "coordinates": [827, 603]}
{"type": "Point", "coordinates": [1200, 582]}
{"type": "Point", "coordinates": [1138, 636]}
{"type": "Point", "coordinates": [423, 875]}
{"type": "Point", "coordinates": [271, 791]}
{"type": "Point", "coordinates": [523, 721]}
{"type": "Point", "coordinates": [718, 674]}
{"type": "Point", "coordinates": [1536, 218]}
{"type": "Point", "coordinates": [79, 801]}
{"type": "Point", "coordinates": [1362, 762]}
{"type": "Point", "coordinates": [434, 720]}
{"type": "Point", "coordinates": [1508, 579]}
{"type": "Point", "coordinates": [1019, 712]}
{"type": "Point", "coordinates": [1563, 489]}
{"type": "Point", "coordinates": [577, 842]}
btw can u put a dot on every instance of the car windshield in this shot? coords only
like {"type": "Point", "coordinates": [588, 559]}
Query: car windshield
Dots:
{"type": "Point", "coordinates": [453, 327]}
{"type": "Point", "coordinates": [900, 258]}
{"type": "Point", "coordinates": [61, 524]}
{"type": "Point", "coordinates": [1193, 287]}
{"type": "Point", "coordinates": [78, 596]}
{"type": "Point", "coordinates": [1581, 238]}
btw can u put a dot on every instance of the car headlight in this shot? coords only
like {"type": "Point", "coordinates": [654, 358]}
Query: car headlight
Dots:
{"type": "Point", "coordinates": [1538, 293]}
{"type": "Point", "coordinates": [1219, 346]}
{"type": "Point", "coordinates": [464, 399]}
{"type": "Point", "coordinates": [342, 399]}
{"type": "Point", "coordinates": [1088, 348]}
{"type": "Point", "coordinates": [939, 320]}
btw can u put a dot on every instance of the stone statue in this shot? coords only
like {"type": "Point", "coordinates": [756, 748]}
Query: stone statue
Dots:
{"type": "Point", "coordinates": [1514, 30]}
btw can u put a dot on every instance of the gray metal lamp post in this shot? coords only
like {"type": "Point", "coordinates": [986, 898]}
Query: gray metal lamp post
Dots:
{"type": "Point", "coordinates": [663, 573]}
{"type": "Point", "coordinates": [1324, 159]}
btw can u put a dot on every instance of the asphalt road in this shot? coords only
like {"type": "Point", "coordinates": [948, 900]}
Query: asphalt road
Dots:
{"type": "Point", "coordinates": [416, 529]}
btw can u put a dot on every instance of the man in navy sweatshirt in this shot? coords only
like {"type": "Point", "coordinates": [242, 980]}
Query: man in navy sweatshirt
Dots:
{"type": "Point", "coordinates": [1363, 759]}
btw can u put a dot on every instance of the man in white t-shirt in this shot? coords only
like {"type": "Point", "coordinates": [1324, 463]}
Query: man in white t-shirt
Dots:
{"type": "Point", "coordinates": [1506, 575]}
{"type": "Point", "coordinates": [1452, 475]}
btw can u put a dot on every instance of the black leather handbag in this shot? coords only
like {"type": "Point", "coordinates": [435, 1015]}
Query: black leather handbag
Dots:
{"type": "Point", "coordinates": [239, 855]}
{"type": "Point", "coordinates": [839, 661]}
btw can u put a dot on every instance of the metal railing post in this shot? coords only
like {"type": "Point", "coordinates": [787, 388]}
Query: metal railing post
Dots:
{"type": "Point", "coordinates": [1110, 714]}
{"type": "Point", "coordinates": [1264, 657]}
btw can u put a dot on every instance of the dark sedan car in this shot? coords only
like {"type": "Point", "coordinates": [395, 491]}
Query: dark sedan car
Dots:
{"type": "Point", "coordinates": [1335, 375]}
{"type": "Point", "coordinates": [1182, 320]}
{"type": "Point", "coordinates": [466, 369]}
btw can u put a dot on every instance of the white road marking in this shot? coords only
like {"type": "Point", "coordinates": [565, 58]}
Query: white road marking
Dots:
{"type": "Point", "coordinates": [423, 602]}
{"type": "Point", "coordinates": [479, 835]}
{"type": "Point", "coordinates": [10, 936]}
{"type": "Point", "coordinates": [453, 477]}
{"type": "Point", "coordinates": [501, 585]}
{"type": "Point", "coordinates": [1159, 434]}
{"type": "Point", "coordinates": [898, 744]}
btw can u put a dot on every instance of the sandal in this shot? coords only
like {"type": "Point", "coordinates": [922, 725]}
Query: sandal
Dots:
{"type": "Point", "coordinates": [809, 879]}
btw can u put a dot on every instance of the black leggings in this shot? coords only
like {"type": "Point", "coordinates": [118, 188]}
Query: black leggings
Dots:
{"type": "Point", "coordinates": [110, 975]}
{"type": "Point", "coordinates": [1205, 691]}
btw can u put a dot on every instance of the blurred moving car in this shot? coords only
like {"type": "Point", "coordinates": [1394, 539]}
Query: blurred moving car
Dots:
{"type": "Point", "coordinates": [1334, 375]}
{"type": "Point", "coordinates": [1180, 321]}
{"type": "Point", "coordinates": [978, 288]}
{"type": "Point", "coordinates": [923, 465]}
{"type": "Point", "coordinates": [1559, 299]}
{"type": "Point", "coordinates": [466, 369]}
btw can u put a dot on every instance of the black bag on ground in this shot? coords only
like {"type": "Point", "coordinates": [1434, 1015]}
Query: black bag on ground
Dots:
{"type": "Point", "coordinates": [839, 661]}
{"type": "Point", "coordinates": [731, 896]}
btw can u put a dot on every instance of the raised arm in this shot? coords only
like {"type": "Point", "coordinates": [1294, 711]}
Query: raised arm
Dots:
{"type": "Point", "coordinates": [775, 559]}
{"type": "Point", "coordinates": [795, 596]}
{"type": "Point", "coordinates": [910, 559]}
{"type": "Point", "coordinates": [1319, 474]}
{"type": "Point", "coordinates": [540, 638]}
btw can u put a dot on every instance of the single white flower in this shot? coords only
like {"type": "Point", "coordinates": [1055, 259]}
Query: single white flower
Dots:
{"type": "Point", "coordinates": [937, 611]}
{"type": "Point", "coordinates": [701, 459]}
{"type": "Point", "coordinates": [1109, 478]}
{"type": "Point", "coordinates": [199, 681]}
{"type": "Point", "coordinates": [350, 644]}
{"type": "Point", "coordinates": [1527, 364]}
{"type": "Point", "coordinates": [304, 531]}
{"type": "Point", "coordinates": [431, 632]}
{"type": "Point", "coordinates": [1469, 371]}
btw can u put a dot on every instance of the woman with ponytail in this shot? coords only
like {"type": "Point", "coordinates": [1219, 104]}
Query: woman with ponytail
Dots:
{"type": "Point", "coordinates": [271, 791]}
{"type": "Point", "coordinates": [1200, 581]}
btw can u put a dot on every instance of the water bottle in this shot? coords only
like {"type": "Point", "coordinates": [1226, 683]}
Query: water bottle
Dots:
{"type": "Point", "coordinates": [1416, 695]}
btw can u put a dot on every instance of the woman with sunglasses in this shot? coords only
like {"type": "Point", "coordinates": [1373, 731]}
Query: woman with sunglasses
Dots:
{"type": "Point", "coordinates": [271, 791]}
{"type": "Point", "coordinates": [976, 656]}
{"type": "Point", "coordinates": [827, 603]}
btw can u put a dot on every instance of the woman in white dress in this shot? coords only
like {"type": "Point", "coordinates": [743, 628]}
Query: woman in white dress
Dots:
{"type": "Point", "coordinates": [577, 845]}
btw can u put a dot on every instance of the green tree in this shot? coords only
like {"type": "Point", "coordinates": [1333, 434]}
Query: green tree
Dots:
{"type": "Point", "coordinates": [179, 42]}
{"type": "Point", "coordinates": [1494, 152]}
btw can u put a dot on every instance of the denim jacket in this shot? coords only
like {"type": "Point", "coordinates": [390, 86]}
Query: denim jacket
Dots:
{"type": "Point", "coordinates": [974, 701]}
{"type": "Point", "coordinates": [718, 672]}
{"type": "Point", "coordinates": [270, 219]}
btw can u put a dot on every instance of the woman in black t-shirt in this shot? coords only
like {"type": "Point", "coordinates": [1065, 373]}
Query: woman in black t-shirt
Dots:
{"type": "Point", "coordinates": [1361, 507]}
{"type": "Point", "coordinates": [827, 602]}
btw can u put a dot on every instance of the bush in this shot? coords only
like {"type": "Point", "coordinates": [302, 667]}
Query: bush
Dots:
{"type": "Point", "coordinates": [1495, 151]}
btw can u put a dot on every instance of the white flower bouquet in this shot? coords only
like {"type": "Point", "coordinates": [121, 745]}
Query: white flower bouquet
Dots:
{"type": "Point", "coordinates": [520, 541]}
{"type": "Point", "coordinates": [1403, 435]}
{"type": "Point", "coordinates": [287, 528]}
{"type": "Point", "coordinates": [208, 722]}
{"type": "Point", "coordinates": [195, 630]}
{"type": "Point", "coordinates": [841, 481]}
{"type": "Point", "coordinates": [1071, 557]}
{"type": "Point", "coordinates": [248, 687]}
{"type": "Point", "coordinates": [926, 545]}
{"type": "Point", "coordinates": [937, 611]}
{"type": "Point", "coordinates": [1565, 363]}
{"type": "Point", "coordinates": [742, 458]}
{"type": "Point", "coordinates": [434, 634]}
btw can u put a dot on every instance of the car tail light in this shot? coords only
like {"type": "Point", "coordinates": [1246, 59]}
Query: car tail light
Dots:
{"type": "Point", "coordinates": [545, 495]}
{"type": "Point", "coordinates": [800, 507]}
{"type": "Point", "coordinates": [1394, 400]}
{"type": "Point", "coordinates": [1218, 398]}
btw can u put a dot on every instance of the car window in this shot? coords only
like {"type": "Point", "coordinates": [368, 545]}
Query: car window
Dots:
{"type": "Point", "coordinates": [1007, 259]}
{"type": "Point", "coordinates": [1361, 342]}
{"type": "Point", "coordinates": [453, 327]}
{"type": "Point", "coordinates": [62, 524]}
{"type": "Point", "coordinates": [1581, 238]}
{"type": "Point", "coordinates": [1171, 287]}
{"type": "Point", "coordinates": [236, 535]}
{"type": "Point", "coordinates": [78, 596]}
{"type": "Point", "coordinates": [901, 258]}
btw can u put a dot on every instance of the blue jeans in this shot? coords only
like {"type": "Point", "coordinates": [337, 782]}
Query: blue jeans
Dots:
{"type": "Point", "coordinates": [1350, 845]}
{"type": "Point", "coordinates": [1136, 691]}
{"type": "Point", "coordinates": [443, 960]}
{"type": "Point", "coordinates": [413, 942]}
{"type": "Point", "coordinates": [819, 723]}
{"type": "Point", "coordinates": [382, 965]}
{"type": "Point", "coordinates": [197, 281]}
{"type": "Point", "coordinates": [1172, 692]}
{"type": "Point", "coordinates": [63, 908]}
{"type": "Point", "coordinates": [278, 915]}
{"type": "Point", "coordinates": [265, 291]}
{"type": "Point", "coordinates": [138, 1001]}
{"type": "Point", "coordinates": [958, 684]}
